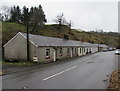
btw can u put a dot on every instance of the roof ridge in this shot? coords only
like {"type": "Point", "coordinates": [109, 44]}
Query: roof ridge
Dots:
{"type": "Point", "coordinates": [39, 40]}
{"type": "Point", "coordinates": [51, 37]}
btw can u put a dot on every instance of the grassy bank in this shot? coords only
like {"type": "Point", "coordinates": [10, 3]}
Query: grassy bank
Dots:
{"type": "Point", "coordinates": [10, 29]}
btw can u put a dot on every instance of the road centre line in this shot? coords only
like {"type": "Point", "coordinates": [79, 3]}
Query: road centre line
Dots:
{"type": "Point", "coordinates": [59, 73]}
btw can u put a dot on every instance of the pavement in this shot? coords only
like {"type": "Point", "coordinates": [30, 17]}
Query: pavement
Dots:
{"type": "Point", "coordinates": [87, 72]}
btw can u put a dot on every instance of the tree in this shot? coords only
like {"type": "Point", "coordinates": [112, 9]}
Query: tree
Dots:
{"type": "Point", "coordinates": [1, 17]}
{"type": "Point", "coordinates": [60, 19]}
{"type": "Point", "coordinates": [37, 18]}
{"type": "Point", "coordinates": [5, 13]}
{"type": "Point", "coordinates": [15, 14]}
{"type": "Point", "coordinates": [18, 14]}
{"type": "Point", "coordinates": [25, 16]}
{"type": "Point", "coordinates": [69, 24]}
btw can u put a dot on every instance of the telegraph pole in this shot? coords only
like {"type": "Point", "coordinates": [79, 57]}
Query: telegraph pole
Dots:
{"type": "Point", "coordinates": [69, 24]}
{"type": "Point", "coordinates": [98, 47]}
{"type": "Point", "coordinates": [27, 35]}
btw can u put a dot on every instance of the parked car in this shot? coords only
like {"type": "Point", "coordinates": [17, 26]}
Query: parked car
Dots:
{"type": "Point", "coordinates": [117, 51]}
{"type": "Point", "coordinates": [110, 49]}
{"type": "Point", "coordinates": [105, 50]}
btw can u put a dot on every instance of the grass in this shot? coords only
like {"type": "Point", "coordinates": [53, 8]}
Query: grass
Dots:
{"type": "Point", "coordinates": [20, 63]}
{"type": "Point", "coordinates": [0, 62]}
{"type": "Point", "coordinates": [114, 81]}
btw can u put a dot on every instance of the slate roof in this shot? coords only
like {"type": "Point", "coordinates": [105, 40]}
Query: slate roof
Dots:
{"type": "Point", "coordinates": [103, 45]}
{"type": "Point", "coordinates": [52, 41]}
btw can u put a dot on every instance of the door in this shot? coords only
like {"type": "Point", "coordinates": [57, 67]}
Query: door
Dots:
{"type": "Point", "coordinates": [54, 55]}
{"type": "Point", "coordinates": [71, 52]}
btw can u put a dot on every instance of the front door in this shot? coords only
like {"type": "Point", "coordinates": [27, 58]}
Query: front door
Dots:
{"type": "Point", "coordinates": [54, 55]}
{"type": "Point", "coordinates": [71, 52]}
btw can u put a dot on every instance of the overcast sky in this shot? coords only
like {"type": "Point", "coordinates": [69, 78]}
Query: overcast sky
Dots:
{"type": "Point", "coordinates": [84, 14]}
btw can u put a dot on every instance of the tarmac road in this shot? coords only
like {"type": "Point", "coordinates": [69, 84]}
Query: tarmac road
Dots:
{"type": "Point", "coordinates": [88, 72]}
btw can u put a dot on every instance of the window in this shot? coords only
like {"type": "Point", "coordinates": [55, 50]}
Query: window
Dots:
{"type": "Point", "coordinates": [90, 50]}
{"type": "Point", "coordinates": [47, 53]}
{"type": "Point", "coordinates": [60, 51]}
{"type": "Point", "coordinates": [87, 49]}
{"type": "Point", "coordinates": [84, 49]}
{"type": "Point", "coordinates": [75, 50]}
{"type": "Point", "coordinates": [80, 50]}
{"type": "Point", "coordinates": [68, 50]}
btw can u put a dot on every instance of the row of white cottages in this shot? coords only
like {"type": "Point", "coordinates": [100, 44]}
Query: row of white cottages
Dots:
{"type": "Point", "coordinates": [46, 49]}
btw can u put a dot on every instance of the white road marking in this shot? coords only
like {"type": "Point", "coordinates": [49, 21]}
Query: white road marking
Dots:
{"type": "Point", "coordinates": [59, 73]}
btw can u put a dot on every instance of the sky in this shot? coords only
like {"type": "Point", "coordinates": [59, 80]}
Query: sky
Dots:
{"type": "Point", "coordinates": [84, 14]}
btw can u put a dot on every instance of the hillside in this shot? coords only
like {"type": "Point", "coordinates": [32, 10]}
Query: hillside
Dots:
{"type": "Point", "coordinates": [10, 29]}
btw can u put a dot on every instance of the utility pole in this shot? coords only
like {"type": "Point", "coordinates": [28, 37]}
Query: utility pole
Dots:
{"type": "Point", "coordinates": [69, 25]}
{"type": "Point", "coordinates": [98, 47]}
{"type": "Point", "coordinates": [28, 36]}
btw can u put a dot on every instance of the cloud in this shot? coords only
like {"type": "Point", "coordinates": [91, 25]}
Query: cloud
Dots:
{"type": "Point", "coordinates": [84, 15]}
{"type": "Point", "coordinates": [90, 15]}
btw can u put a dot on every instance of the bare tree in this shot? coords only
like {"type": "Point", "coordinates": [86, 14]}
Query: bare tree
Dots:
{"type": "Point", "coordinates": [1, 17]}
{"type": "Point", "coordinates": [60, 19]}
{"type": "Point", "coordinates": [6, 12]}
{"type": "Point", "coordinates": [69, 24]}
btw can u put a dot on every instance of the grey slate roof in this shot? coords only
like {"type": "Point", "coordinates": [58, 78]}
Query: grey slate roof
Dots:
{"type": "Point", "coordinates": [51, 41]}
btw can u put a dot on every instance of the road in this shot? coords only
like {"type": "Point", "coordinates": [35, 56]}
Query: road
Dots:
{"type": "Point", "coordinates": [86, 72]}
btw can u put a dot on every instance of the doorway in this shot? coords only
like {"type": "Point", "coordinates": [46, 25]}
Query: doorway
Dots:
{"type": "Point", "coordinates": [54, 55]}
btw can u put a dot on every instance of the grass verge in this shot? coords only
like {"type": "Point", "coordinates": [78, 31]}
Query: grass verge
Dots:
{"type": "Point", "coordinates": [23, 63]}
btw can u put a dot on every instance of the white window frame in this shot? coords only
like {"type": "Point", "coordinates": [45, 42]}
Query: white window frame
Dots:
{"type": "Point", "coordinates": [61, 51]}
{"type": "Point", "coordinates": [47, 53]}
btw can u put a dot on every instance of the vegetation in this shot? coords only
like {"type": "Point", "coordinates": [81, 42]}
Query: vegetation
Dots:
{"type": "Point", "coordinates": [10, 29]}
{"type": "Point", "coordinates": [20, 63]}
{"type": "Point", "coordinates": [114, 81]}
{"type": "Point", "coordinates": [35, 15]}
{"type": "Point", "coordinates": [30, 17]}
{"type": "Point", "coordinates": [34, 19]}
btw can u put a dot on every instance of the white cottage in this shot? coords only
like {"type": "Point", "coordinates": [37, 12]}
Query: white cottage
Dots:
{"type": "Point", "coordinates": [45, 49]}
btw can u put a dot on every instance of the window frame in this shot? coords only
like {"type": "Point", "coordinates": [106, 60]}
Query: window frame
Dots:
{"type": "Point", "coordinates": [47, 53]}
{"type": "Point", "coordinates": [68, 51]}
{"type": "Point", "coordinates": [84, 50]}
{"type": "Point", "coordinates": [75, 50]}
{"type": "Point", "coordinates": [61, 52]}
{"type": "Point", "coordinates": [80, 50]}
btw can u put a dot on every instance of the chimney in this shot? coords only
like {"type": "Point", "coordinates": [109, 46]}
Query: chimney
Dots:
{"type": "Point", "coordinates": [66, 36]}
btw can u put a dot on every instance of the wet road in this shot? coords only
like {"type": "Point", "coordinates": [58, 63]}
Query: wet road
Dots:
{"type": "Point", "coordinates": [87, 72]}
